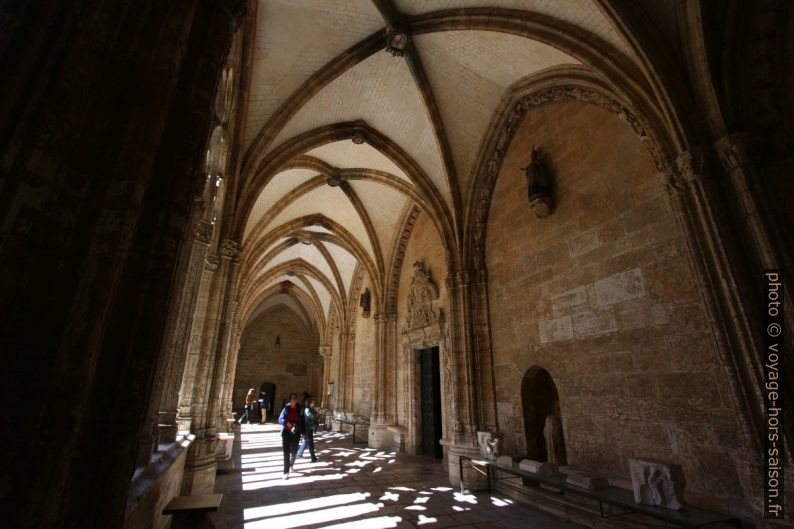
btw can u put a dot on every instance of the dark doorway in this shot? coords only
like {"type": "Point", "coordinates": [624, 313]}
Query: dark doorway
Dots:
{"type": "Point", "coordinates": [270, 389]}
{"type": "Point", "coordinates": [430, 396]}
{"type": "Point", "coordinates": [540, 399]}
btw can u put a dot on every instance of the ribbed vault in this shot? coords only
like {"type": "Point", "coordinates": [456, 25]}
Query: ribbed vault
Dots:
{"type": "Point", "coordinates": [343, 140]}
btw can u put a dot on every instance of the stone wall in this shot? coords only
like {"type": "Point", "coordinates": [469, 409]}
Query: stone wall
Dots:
{"type": "Point", "coordinates": [261, 360]}
{"type": "Point", "coordinates": [424, 245]}
{"type": "Point", "coordinates": [602, 295]}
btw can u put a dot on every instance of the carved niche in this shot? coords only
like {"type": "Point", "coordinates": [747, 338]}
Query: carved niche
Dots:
{"type": "Point", "coordinates": [420, 312]}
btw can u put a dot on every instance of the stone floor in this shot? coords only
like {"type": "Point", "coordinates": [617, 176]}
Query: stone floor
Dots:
{"type": "Point", "coordinates": [354, 487]}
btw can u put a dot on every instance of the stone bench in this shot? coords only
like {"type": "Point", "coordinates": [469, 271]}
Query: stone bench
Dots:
{"type": "Point", "coordinates": [190, 512]}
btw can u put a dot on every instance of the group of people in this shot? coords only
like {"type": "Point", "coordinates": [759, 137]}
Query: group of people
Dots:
{"type": "Point", "coordinates": [296, 421]}
{"type": "Point", "coordinates": [250, 402]}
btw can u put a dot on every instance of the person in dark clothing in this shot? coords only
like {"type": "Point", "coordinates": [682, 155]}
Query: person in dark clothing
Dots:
{"type": "Point", "coordinates": [310, 421]}
{"type": "Point", "coordinates": [263, 404]}
{"type": "Point", "coordinates": [293, 424]}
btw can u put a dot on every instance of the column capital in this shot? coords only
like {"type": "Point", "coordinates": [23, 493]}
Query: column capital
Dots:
{"type": "Point", "coordinates": [203, 232]}
{"type": "Point", "coordinates": [692, 165]}
{"type": "Point", "coordinates": [211, 262]}
{"type": "Point", "coordinates": [734, 151]}
{"type": "Point", "coordinates": [231, 250]}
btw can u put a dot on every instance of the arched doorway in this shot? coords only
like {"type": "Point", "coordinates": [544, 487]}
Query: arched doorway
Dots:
{"type": "Point", "coordinates": [540, 399]}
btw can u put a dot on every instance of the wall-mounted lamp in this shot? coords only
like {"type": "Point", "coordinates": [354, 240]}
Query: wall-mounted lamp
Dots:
{"type": "Point", "coordinates": [330, 388]}
{"type": "Point", "coordinates": [278, 341]}
{"type": "Point", "coordinates": [538, 187]}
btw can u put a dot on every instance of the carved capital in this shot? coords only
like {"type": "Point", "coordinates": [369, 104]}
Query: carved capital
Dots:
{"type": "Point", "coordinates": [692, 165]}
{"type": "Point", "coordinates": [211, 262]}
{"type": "Point", "coordinates": [325, 351]}
{"type": "Point", "coordinates": [203, 232]}
{"type": "Point", "coordinates": [733, 151]}
{"type": "Point", "coordinates": [461, 278]}
{"type": "Point", "coordinates": [230, 250]}
{"type": "Point", "coordinates": [672, 182]}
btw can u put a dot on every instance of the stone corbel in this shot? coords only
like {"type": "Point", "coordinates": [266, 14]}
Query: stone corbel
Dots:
{"type": "Point", "coordinates": [203, 232]}
{"type": "Point", "coordinates": [211, 262]}
{"type": "Point", "coordinates": [733, 151]}
{"type": "Point", "coordinates": [693, 166]}
{"type": "Point", "coordinates": [231, 250]}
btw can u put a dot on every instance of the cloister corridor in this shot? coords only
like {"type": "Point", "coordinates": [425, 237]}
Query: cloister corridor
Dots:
{"type": "Point", "coordinates": [354, 487]}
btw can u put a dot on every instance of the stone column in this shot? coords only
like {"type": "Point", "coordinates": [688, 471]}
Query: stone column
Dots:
{"type": "Point", "coordinates": [462, 440]}
{"type": "Point", "coordinates": [102, 132]}
{"type": "Point", "coordinates": [161, 426]}
{"type": "Point", "coordinates": [227, 402]}
{"type": "Point", "coordinates": [325, 353]}
{"type": "Point", "coordinates": [769, 247]}
{"type": "Point", "coordinates": [378, 434]}
{"type": "Point", "coordinates": [194, 359]}
{"type": "Point", "coordinates": [699, 203]}
{"type": "Point", "coordinates": [347, 342]}
{"type": "Point", "coordinates": [481, 340]}
{"type": "Point", "coordinates": [200, 465]}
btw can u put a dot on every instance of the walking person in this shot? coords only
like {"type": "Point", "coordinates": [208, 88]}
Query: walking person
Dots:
{"type": "Point", "coordinates": [310, 420]}
{"type": "Point", "coordinates": [292, 423]}
{"type": "Point", "coordinates": [250, 399]}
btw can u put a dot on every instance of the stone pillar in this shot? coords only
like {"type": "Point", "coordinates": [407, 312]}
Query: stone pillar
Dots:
{"type": "Point", "coordinates": [163, 405]}
{"type": "Point", "coordinates": [194, 359]}
{"type": "Point", "coordinates": [481, 340]}
{"type": "Point", "coordinates": [384, 405]}
{"type": "Point", "coordinates": [761, 232]}
{"type": "Point", "coordinates": [326, 354]}
{"type": "Point", "coordinates": [344, 383]}
{"type": "Point", "coordinates": [206, 405]}
{"type": "Point", "coordinates": [699, 202]}
{"type": "Point", "coordinates": [98, 171]}
{"type": "Point", "coordinates": [462, 440]}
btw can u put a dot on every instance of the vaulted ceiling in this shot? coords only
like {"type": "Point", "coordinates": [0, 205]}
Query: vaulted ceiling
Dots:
{"type": "Point", "coordinates": [342, 138]}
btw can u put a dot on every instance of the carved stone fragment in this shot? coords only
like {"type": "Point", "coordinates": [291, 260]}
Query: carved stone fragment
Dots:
{"type": "Point", "coordinates": [420, 312]}
{"type": "Point", "coordinates": [657, 483]}
{"type": "Point", "coordinates": [541, 468]}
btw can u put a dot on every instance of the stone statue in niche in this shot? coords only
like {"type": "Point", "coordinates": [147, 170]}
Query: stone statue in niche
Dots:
{"type": "Point", "coordinates": [364, 302]}
{"type": "Point", "coordinates": [657, 483]}
{"type": "Point", "coordinates": [420, 312]}
{"type": "Point", "coordinates": [555, 442]}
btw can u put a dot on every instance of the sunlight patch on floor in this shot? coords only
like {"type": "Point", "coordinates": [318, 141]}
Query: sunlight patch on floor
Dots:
{"type": "Point", "coordinates": [314, 517]}
{"type": "Point", "coordinates": [381, 522]}
{"type": "Point", "coordinates": [293, 507]}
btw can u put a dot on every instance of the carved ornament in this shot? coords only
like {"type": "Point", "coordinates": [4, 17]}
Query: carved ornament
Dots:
{"type": "Point", "coordinates": [211, 262]}
{"type": "Point", "coordinates": [230, 250]}
{"type": "Point", "coordinates": [420, 312]}
{"type": "Point", "coordinates": [203, 232]}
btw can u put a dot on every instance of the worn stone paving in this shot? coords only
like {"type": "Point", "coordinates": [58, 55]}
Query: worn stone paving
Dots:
{"type": "Point", "coordinates": [354, 487]}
